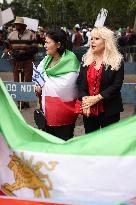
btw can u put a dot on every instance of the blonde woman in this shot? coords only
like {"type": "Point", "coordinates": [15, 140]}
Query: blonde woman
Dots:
{"type": "Point", "coordinates": [100, 81]}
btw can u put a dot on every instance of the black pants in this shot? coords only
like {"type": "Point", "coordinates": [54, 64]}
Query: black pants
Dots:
{"type": "Point", "coordinates": [64, 132]}
{"type": "Point", "coordinates": [94, 123]}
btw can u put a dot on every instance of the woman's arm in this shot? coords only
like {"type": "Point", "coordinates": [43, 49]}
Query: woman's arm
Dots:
{"type": "Point", "coordinates": [82, 84]}
{"type": "Point", "coordinates": [110, 91]}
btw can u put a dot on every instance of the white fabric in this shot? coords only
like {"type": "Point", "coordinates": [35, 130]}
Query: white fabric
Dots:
{"type": "Point", "coordinates": [75, 177]}
{"type": "Point", "coordinates": [63, 86]}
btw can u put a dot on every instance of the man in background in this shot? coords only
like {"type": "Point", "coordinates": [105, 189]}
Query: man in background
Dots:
{"type": "Point", "coordinates": [3, 44]}
{"type": "Point", "coordinates": [77, 37]}
{"type": "Point", "coordinates": [23, 47]}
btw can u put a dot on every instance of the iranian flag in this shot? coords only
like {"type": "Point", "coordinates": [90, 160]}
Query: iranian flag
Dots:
{"type": "Point", "coordinates": [17, 201]}
{"type": "Point", "coordinates": [59, 89]}
{"type": "Point", "coordinates": [100, 166]}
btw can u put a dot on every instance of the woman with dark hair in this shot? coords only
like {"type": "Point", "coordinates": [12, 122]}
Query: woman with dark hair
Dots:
{"type": "Point", "coordinates": [58, 72]}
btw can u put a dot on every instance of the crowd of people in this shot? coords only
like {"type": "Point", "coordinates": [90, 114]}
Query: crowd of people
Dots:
{"type": "Point", "coordinates": [91, 87]}
{"type": "Point", "coordinates": [79, 35]}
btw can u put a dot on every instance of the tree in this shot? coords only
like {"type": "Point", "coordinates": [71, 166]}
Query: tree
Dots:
{"type": "Point", "coordinates": [55, 13]}
{"type": "Point", "coordinates": [132, 10]}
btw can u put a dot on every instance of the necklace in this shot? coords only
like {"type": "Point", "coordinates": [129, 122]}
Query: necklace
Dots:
{"type": "Point", "coordinates": [97, 64]}
{"type": "Point", "coordinates": [53, 62]}
{"type": "Point", "coordinates": [56, 59]}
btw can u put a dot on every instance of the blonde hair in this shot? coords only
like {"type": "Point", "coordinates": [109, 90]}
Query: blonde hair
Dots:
{"type": "Point", "coordinates": [111, 54]}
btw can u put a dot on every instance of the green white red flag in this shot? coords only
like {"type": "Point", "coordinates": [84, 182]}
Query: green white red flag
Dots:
{"type": "Point", "coordinates": [100, 166]}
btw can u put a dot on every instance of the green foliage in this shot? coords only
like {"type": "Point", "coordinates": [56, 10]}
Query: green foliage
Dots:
{"type": "Point", "coordinates": [55, 13]}
{"type": "Point", "coordinates": [132, 5]}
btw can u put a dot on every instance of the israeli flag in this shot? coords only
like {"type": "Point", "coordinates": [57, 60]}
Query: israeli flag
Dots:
{"type": "Point", "coordinates": [37, 77]}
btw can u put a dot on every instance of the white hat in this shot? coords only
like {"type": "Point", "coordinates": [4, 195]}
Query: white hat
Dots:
{"type": "Point", "coordinates": [77, 26]}
{"type": "Point", "coordinates": [19, 20]}
{"type": "Point", "coordinates": [84, 30]}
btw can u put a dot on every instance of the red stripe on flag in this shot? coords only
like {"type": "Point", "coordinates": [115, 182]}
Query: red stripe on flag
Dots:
{"type": "Point", "coordinates": [1, 193]}
{"type": "Point", "coordinates": [131, 201]}
{"type": "Point", "coordinates": [6, 201]}
{"type": "Point", "coordinates": [58, 112]}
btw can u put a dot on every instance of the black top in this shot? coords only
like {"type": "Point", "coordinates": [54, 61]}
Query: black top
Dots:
{"type": "Point", "coordinates": [110, 88]}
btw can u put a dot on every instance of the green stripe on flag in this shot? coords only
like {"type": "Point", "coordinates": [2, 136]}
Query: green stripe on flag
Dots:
{"type": "Point", "coordinates": [117, 139]}
{"type": "Point", "coordinates": [68, 63]}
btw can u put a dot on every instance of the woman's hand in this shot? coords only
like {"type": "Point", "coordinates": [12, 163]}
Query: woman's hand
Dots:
{"type": "Point", "coordinates": [86, 111]}
{"type": "Point", "coordinates": [88, 101]}
{"type": "Point", "coordinates": [38, 90]}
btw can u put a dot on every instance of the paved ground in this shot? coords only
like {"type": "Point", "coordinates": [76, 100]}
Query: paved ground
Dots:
{"type": "Point", "coordinates": [79, 129]}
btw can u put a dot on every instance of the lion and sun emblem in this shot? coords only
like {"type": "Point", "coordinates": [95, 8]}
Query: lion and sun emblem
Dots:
{"type": "Point", "coordinates": [28, 175]}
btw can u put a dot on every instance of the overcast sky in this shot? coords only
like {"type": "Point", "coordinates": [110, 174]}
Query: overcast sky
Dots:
{"type": "Point", "coordinates": [1, 1]}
